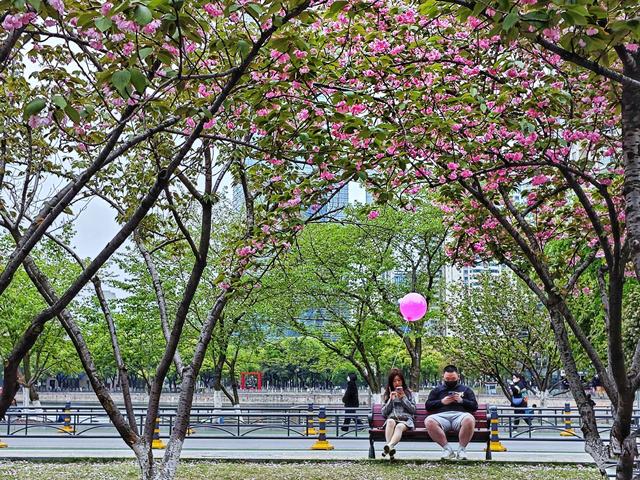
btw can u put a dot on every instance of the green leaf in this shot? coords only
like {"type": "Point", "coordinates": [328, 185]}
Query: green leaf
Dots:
{"type": "Point", "coordinates": [121, 80]}
{"type": "Point", "coordinates": [510, 20]}
{"type": "Point", "coordinates": [72, 113]}
{"type": "Point", "coordinates": [138, 80]}
{"type": "Point", "coordinates": [59, 101]}
{"type": "Point", "coordinates": [143, 15]}
{"type": "Point", "coordinates": [257, 10]}
{"type": "Point", "coordinates": [573, 18]}
{"type": "Point", "coordinates": [36, 4]}
{"type": "Point", "coordinates": [244, 48]}
{"type": "Point", "coordinates": [34, 107]}
{"type": "Point", "coordinates": [103, 23]}
{"type": "Point", "coordinates": [478, 9]}
{"type": "Point", "coordinates": [144, 52]}
{"type": "Point", "coordinates": [337, 7]}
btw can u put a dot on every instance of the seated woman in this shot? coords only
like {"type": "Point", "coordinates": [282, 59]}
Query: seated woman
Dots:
{"type": "Point", "coordinates": [399, 409]}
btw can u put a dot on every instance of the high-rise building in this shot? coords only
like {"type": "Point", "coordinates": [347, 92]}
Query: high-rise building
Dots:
{"type": "Point", "coordinates": [334, 209]}
{"type": "Point", "coordinates": [468, 275]}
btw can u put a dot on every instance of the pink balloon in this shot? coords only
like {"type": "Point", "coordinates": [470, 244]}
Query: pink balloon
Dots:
{"type": "Point", "coordinates": [413, 306]}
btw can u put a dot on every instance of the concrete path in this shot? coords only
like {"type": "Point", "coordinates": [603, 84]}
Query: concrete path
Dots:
{"type": "Point", "coordinates": [295, 449]}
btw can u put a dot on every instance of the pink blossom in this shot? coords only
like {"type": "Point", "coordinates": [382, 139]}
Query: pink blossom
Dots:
{"type": "Point", "coordinates": [358, 108]}
{"type": "Point", "coordinates": [479, 247]}
{"type": "Point", "coordinates": [474, 22]}
{"type": "Point", "coordinates": [328, 176]}
{"type": "Point", "coordinates": [128, 48]}
{"type": "Point", "coordinates": [303, 115]}
{"type": "Point", "coordinates": [266, 229]}
{"type": "Point", "coordinates": [342, 107]}
{"type": "Point", "coordinates": [124, 25]}
{"type": "Point", "coordinates": [171, 49]}
{"type": "Point", "coordinates": [300, 54]}
{"type": "Point", "coordinates": [379, 46]}
{"type": "Point", "coordinates": [490, 223]}
{"type": "Point", "coordinates": [244, 251]}
{"type": "Point", "coordinates": [529, 2]}
{"type": "Point", "coordinates": [373, 214]}
{"type": "Point", "coordinates": [151, 27]}
{"type": "Point", "coordinates": [551, 34]}
{"type": "Point", "coordinates": [13, 22]}
{"type": "Point", "coordinates": [210, 123]}
{"type": "Point", "coordinates": [106, 8]}
{"type": "Point", "coordinates": [57, 5]}
{"type": "Point", "coordinates": [539, 180]}
{"type": "Point", "coordinates": [452, 166]}
{"type": "Point", "coordinates": [279, 57]}
{"type": "Point", "coordinates": [586, 290]}
{"type": "Point", "coordinates": [224, 286]}
{"type": "Point", "coordinates": [406, 18]}
{"type": "Point", "coordinates": [633, 47]}
{"type": "Point", "coordinates": [591, 31]}
{"type": "Point", "coordinates": [213, 10]}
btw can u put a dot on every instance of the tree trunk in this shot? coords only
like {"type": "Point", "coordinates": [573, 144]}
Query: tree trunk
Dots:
{"type": "Point", "coordinates": [593, 443]}
{"type": "Point", "coordinates": [621, 430]}
{"type": "Point", "coordinates": [26, 368]}
{"type": "Point", "coordinates": [414, 370]}
{"type": "Point", "coordinates": [631, 150]}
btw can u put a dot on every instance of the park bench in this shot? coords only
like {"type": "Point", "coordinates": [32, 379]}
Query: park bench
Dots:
{"type": "Point", "coordinates": [419, 434]}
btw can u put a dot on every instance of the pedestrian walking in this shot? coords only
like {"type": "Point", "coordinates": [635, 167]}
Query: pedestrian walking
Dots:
{"type": "Point", "coordinates": [350, 401]}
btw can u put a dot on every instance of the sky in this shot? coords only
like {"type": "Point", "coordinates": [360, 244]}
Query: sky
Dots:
{"type": "Point", "coordinates": [96, 225]}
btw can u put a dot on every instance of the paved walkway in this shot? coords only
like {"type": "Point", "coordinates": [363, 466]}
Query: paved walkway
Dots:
{"type": "Point", "coordinates": [248, 449]}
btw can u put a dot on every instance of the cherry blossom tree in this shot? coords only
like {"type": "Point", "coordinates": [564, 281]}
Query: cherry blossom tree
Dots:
{"type": "Point", "coordinates": [526, 152]}
{"type": "Point", "coordinates": [149, 106]}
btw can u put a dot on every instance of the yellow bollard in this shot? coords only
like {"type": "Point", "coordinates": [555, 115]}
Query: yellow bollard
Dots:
{"type": "Point", "coordinates": [190, 431]}
{"type": "Point", "coordinates": [322, 443]}
{"type": "Point", "coordinates": [310, 428]}
{"type": "Point", "coordinates": [66, 427]}
{"type": "Point", "coordinates": [3, 445]}
{"type": "Point", "coordinates": [568, 429]}
{"type": "Point", "coordinates": [157, 443]}
{"type": "Point", "coordinates": [494, 442]}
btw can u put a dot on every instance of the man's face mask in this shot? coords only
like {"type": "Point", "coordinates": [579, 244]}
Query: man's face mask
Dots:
{"type": "Point", "coordinates": [451, 384]}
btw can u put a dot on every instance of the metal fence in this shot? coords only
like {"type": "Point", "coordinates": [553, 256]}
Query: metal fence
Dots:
{"type": "Point", "coordinates": [541, 424]}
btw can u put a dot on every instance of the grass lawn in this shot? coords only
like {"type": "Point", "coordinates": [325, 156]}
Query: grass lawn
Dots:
{"type": "Point", "coordinates": [380, 470]}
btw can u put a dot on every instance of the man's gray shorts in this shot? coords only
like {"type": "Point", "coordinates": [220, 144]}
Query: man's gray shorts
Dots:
{"type": "Point", "coordinates": [450, 421]}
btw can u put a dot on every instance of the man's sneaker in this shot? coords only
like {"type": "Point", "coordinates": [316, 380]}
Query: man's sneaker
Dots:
{"type": "Point", "coordinates": [392, 454]}
{"type": "Point", "coordinates": [386, 450]}
{"type": "Point", "coordinates": [448, 454]}
{"type": "Point", "coordinates": [461, 454]}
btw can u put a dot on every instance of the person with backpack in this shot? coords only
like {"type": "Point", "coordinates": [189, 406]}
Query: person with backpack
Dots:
{"type": "Point", "coordinates": [519, 398]}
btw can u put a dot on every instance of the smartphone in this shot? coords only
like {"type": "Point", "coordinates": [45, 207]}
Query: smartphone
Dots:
{"type": "Point", "coordinates": [399, 389]}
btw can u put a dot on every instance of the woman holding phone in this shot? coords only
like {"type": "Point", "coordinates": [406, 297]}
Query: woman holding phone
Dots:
{"type": "Point", "coordinates": [399, 409]}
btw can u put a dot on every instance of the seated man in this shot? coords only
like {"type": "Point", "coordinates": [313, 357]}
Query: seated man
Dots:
{"type": "Point", "coordinates": [451, 404]}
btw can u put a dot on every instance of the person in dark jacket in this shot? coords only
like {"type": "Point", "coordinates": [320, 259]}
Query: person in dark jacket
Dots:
{"type": "Point", "coordinates": [450, 406]}
{"type": "Point", "coordinates": [350, 399]}
{"type": "Point", "coordinates": [519, 402]}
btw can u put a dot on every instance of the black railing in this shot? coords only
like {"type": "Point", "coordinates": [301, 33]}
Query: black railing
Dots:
{"type": "Point", "coordinates": [256, 422]}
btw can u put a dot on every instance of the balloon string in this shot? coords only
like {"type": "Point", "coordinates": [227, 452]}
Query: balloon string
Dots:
{"type": "Point", "coordinates": [404, 334]}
